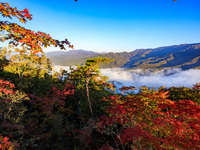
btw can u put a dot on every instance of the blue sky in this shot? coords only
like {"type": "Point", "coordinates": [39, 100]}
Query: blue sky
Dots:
{"type": "Point", "coordinates": [115, 25]}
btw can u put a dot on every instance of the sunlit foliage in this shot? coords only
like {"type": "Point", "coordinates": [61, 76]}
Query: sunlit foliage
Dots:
{"type": "Point", "coordinates": [39, 110]}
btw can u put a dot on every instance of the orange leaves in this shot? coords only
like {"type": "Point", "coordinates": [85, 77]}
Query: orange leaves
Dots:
{"type": "Point", "coordinates": [8, 11]}
{"type": "Point", "coordinates": [71, 46]}
{"type": "Point", "coordinates": [5, 144]}
{"type": "Point", "coordinates": [33, 40]}
{"type": "Point", "coordinates": [4, 83]}
{"type": "Point", "coordinates": [21, 41]}
{"type": "Point", "coordinates": [16, 34]}
{"type": "Point", "coordinates": [6, 87]}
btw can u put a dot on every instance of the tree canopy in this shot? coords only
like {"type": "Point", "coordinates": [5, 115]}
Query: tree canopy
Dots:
{"type": "Point", "coordinates": [41, 110]}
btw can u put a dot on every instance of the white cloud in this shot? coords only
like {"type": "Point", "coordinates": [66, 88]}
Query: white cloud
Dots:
{"type": "Point", "coordinates": [167, 77]}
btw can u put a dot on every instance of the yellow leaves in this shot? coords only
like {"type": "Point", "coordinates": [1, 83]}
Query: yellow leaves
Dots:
{"type": "Point", "coordinates": [22, 20]}
{"type": "Point", "coordinates": [12, 58]}
{"type": "Point", "coordinates": [146, 103]}
{"type": "Point", "coordinates": [35, 57]}
{"type": "Point", "coordinates": [7, 28]}
{"type": "Point", "coordinates": [25, 63]}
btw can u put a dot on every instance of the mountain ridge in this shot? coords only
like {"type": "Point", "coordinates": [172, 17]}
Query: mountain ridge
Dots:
{"type": "Point", "coordinates": [185, 56]}
{"type": "Point", "coordinates": [68, 57]}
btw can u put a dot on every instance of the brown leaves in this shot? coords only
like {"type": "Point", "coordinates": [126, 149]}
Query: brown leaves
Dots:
{"type": "Point", "coordinates": [124, 88]}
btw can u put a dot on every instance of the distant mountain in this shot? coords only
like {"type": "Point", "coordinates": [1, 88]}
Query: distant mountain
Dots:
{"type": "Point", "coordinates": [185, 56]}
{"type": "Point", "coordinates": [72, 57]}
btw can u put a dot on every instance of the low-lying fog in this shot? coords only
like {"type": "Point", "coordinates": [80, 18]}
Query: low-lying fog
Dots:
{"type": "Point", "coordinates": [166, 77]}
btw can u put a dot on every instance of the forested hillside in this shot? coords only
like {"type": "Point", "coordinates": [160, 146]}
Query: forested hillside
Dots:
{"type": "Point", "coordinates": [185, 56]}
{"type": "Point", "coordinates": [42, 110]}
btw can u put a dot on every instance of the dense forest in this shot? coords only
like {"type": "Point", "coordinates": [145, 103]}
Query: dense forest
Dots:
{"type": "Point", "coordinates": [41, 109]}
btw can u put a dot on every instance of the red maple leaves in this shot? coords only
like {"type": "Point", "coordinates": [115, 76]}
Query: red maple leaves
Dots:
{"type": "Point", "coordinates": [18, 35]}
{"type": "Point", "coordinates": [153, 120]}
{"type": "Point", "coordinates": [6, 87]}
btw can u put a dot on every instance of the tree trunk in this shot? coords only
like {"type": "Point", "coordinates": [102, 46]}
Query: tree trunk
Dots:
{"type": "Point", "coordinates": [88, 95]}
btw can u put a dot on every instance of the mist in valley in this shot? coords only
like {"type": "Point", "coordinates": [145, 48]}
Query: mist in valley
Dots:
{"type": "Point", "coordinates": [150, 78]}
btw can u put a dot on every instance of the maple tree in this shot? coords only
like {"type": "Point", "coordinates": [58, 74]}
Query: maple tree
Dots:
{"type": "Point", "coordinates": [17, 112]}
{"type": "Point", "coordinates": [18, 35]}
{"type": "Point", "coordinates": [12, 112]}
{"type": "Point", "coordinates": [24, 117]}
{"type": "Point", "coordinates": [41, 111]}
{"type": "Point", "coordinates": [6, 144]}
{"type": "Point", "coordinates": [150, 120]}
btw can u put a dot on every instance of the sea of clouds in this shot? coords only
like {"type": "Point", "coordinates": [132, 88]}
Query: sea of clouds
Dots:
{"type": "Point", "coordinates": [150, 78]}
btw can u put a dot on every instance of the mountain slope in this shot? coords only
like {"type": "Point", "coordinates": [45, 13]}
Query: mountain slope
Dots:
{"type": "Point", "coordinates": [185, 56]}
{"type": "Point", "coordinates": [72, 57]}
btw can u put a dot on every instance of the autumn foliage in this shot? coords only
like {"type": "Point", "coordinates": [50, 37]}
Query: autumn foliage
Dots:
{"type": "Point", "coordinates": [151, 120]}
{"type": "Point", "coordinates": [18, 35]}
{"type": "Point", "coordinates": [42, 109]}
